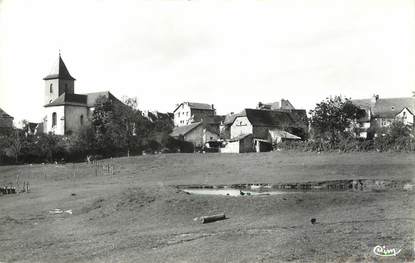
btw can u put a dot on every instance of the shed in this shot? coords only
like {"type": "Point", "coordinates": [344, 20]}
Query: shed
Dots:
{"type": "Point", "coordinates": [240, 144]}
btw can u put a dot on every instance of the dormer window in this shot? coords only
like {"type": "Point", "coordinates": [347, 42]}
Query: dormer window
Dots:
{"type": "Point", "coordinates": [51, 88]}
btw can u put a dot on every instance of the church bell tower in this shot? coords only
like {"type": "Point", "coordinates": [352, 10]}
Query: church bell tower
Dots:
{"type": "Point", "coordinates": [58, 81]}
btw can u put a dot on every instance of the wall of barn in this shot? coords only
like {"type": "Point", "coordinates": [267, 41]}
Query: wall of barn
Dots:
{"type": "Point", "coordinates": [209, 136]}
{"type": "Point", "coordinates": [230, 147]}
{"type": "Point", "coordinates": [195, 136]}
{"type": "Point", "coordinates": [240, 126]}
{"type": "Point", "coordinates": [261, 132]}
{"type": "Point", "coordinates": [246, 144]}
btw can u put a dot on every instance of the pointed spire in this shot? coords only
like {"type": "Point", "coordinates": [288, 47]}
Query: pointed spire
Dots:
{"type": "Point", "coordinates": [59, 71]}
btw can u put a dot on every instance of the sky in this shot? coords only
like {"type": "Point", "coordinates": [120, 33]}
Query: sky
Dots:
{"type": "Point", "coordinates": [232, 54]}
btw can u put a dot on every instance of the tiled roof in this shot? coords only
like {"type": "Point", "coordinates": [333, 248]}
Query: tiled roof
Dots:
{"type": "Point", "coordinates": [268, 118]}
{"type": "Point", "coordinates": [388, 107]}
{"type": "Point", "coordinates": [197, 105]}
{"type": "Point", "coordinates": [92, 97]}
{"type": "Point", "coordinates": [257, 117]}
{"type": "Point", "coordinates": [217, 119]}
{"type": "Point", "coordinates": [3, 114]}
{"type": "Point", "coordinates": [230, 118]}
{"type": "Point", "coordinates": [183, 130]}
{"type": "Point", "coordinates": [59, 71]}
{"type": "Point", "coordinates": [69, 99]}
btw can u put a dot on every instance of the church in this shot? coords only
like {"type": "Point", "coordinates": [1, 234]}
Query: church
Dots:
{"type": "Point", "coordinates": [65, 111]}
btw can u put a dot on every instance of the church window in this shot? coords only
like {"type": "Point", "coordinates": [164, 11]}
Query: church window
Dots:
{"type": "Point", "coordinates": [51, 88]}
{"type": "Point", "coordinates": [54, 119]}
{"type": "Point", "coordinates": [81, 119]}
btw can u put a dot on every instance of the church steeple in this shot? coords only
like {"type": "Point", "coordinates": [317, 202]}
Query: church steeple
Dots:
{"type": "Point", "coordinates": [59, 71]}
{"type": "Point", "coordinates": [58, 81]}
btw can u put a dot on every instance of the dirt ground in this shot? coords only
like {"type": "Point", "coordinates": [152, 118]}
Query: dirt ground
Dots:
{"type": "Point", "coordinates": [129, 210]}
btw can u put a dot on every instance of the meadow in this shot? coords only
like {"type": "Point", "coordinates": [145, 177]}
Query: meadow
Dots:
{"type": "Point", "coordinates": [130, 210]}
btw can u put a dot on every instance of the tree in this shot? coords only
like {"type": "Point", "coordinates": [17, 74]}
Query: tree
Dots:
{"type": "Point", "coordinates": [15, 146]}
{"type": "Point", "coordinates": [331, 117]}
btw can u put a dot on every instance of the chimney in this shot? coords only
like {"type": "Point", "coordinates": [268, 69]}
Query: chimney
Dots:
{"type": "Point", "coordinates": [375, 98]}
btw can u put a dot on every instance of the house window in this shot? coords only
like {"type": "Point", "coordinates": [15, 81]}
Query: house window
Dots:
{"type": "Point", "coordinates": [66, 87]}
{"type": "Point", "coordinates": [51, 88]}
{"type": "Point", "coordinates": [53, 119]}
{"type": "Point", "coordinates": [178, 114]}
{"type": "Point", "coordinates": [81, 120]}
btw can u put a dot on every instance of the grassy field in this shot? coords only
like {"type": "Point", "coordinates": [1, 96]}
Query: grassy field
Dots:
{"type": "Point", "coordinates": [134, 213]}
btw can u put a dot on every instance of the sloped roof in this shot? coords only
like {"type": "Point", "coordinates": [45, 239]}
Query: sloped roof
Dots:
{"type": "Point", "coordinates": [230, 118]}
{"type": "Point", "coordinates": [197, 105]}
{"type": "Point", "coordinates": [92, 97]}
{"type": "Point", "coordinates": [4, 115]}
{"type": "Point", "coordinates": [69, 99]}
{"type": "Point", "coordinates": [240, 137]}
{"type": "Point", "coordinates": [268, 118]}
{"type": "Point", "coordinates": [183, 130]}
{"type": "Point", "coordinates": [283, 134]}
{"type": "Point", "coordinates": [388, 107]}
{"type": "Point", "coordinates": [59, 71]}
{"type": "Point", "coordinates": [217, 119]}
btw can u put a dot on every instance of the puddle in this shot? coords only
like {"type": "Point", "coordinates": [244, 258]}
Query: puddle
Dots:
{"type": "Point", "coordinates": [230, 192]}
{"type": "Point", "coordinates": [264, 189]}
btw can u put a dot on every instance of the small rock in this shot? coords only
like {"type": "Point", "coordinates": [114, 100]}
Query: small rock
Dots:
{"type": "Point", "coordinates": [73, 194]}
{"type": "Point", "coordinates": [313, 221]}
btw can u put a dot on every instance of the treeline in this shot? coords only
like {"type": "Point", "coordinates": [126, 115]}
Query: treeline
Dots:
{"type": "Point", "coordinates": [116, 129]}
{"type": "Point", "coordinates": [333, 128]}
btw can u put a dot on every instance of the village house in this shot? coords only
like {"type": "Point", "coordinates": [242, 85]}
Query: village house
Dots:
{"type": "Point", "coordinates": [381, 112]}
{"type": "Point", "coordinates": [6, 121]}
{"type": "Point", "coordinates": [65, 111]}
{"type": "Point", "coordinates": [196, 133]}
{"type": "Point", "coordinates": [186, 113]}
{"type": "Point", "coordinates": [269, 126]}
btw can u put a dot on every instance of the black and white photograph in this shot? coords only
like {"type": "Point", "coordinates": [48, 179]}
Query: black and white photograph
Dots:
{"type": "Point", "coordinates": [207, 131]}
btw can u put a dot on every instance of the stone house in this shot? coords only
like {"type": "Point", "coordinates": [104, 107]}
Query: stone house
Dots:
{"type": "Point", "coordinates": [186, 113]}
{"type": "Point", "coordinates": [65, 111]}
{"type": "Point", "coordinates": [196, 133]}
{"type": "Point", "coordinates": [381, 112]}
{"type": "Point", "coordinates": [269, 126]}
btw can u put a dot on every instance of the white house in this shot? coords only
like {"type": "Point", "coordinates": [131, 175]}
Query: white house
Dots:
{"type": "Point", "coordinates": [382, 112]}
{"type": "Point", "coordinates": [186, 113]}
